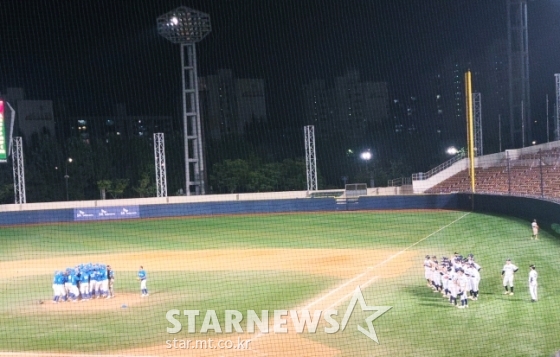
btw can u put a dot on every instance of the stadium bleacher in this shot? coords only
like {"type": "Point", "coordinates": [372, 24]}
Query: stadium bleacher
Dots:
{"type": "Point", "coordinates": [530, 174]}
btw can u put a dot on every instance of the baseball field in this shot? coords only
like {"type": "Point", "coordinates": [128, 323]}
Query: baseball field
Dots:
{"type": "Point", "coordinates": [271, 264]}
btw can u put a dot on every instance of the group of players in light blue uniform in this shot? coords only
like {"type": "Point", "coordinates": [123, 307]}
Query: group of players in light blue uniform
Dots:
{"type": "Point", "coordinates": [83, 282]}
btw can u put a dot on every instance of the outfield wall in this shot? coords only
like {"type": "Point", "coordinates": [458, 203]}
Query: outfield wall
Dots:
{"type": "Point", "coordinates": [130, 209]}
{"type": "Point", "coordinates": [547, 213]}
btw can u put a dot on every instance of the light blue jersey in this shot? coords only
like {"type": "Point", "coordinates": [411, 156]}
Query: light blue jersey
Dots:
{"type": "Point", "coordinates": [74, 279]}
{"type": "Point", "coordinates": [84, 277]}
{"type": "Point", "coordinates": [142, 276]}
{"type": "Point", "coordinates": [59, 278]}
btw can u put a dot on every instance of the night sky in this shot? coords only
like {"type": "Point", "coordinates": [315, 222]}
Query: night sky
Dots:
{"type": "Point", "coordinates": [89, 55]}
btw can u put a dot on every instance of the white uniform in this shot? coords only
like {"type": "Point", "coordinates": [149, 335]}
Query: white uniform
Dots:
{"type": "Point", "coordinates": [533, 275]}
{"type": "Point", "coordinates": [427, 269]}
{"type": "Point", "coordinates": [436, 276]}
{"type": "Point", "coordinates": [453, 287]}
{"type": "Point", "coordinates": [508, 270]}
{"type": "Point", "coordinates": [445, 281]}
{"type": "Point", "coordinates": [474, 277]}
{"type": "Point", "coordinates": [463, 284]}
{"type": "Point", "coordinates": [535, 228]}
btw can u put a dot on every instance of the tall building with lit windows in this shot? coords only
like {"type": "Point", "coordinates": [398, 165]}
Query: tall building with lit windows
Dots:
{"type": "Point", "coordinates": [350, 106]}
{"type": "Point", "coordinates": [229, 104]}
{"type": "Point", "coordinates": [446, 89]}
{"type": "Point", "coordinates": [120, 124]}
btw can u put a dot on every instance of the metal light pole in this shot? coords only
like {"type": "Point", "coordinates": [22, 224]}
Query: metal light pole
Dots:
{"type": "Point", "coordinates": [547, 124]}
{"type": "Point", "coordinates": [310, 157]}
{"type": "Point", "coordinates": [508, 173]}
{"type": "Point", "coordinates": [557, 107]}
{"type": "Point", "coordinates": [518, 73]}
{"type": "Point", "coordinates": [542, 179]}
{"type": "Point", "coordinates": [66, 177]}
{"type": "Point", "coordinates": [186, 27]}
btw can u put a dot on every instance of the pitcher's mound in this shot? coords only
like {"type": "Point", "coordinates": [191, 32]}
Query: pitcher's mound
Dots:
{"type": "Point", "coordinates": [121, 301]}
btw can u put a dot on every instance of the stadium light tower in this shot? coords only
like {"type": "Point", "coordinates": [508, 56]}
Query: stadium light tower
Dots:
{"type": "Point", "coordinates": [186, 27]}
{"type": "Point", "coordinates": [520, 128]}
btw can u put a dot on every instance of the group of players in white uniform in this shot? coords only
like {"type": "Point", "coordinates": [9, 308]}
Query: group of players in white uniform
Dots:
{"type": "Point", "coordinates": [455, 278]}
{"type": "Point", "coordinates": [83, 282]}
{"type": "Point", "coordinates": [459, 278]}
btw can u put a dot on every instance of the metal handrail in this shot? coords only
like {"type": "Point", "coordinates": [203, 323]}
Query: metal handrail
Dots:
{"type": "Point", "coordinates": [426, 175]}
{"type": "Point", "coordinates": [401, 181]}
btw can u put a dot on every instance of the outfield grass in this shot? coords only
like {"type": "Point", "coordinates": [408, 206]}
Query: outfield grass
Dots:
{"type": "Point", "coordinates": [420, 323]}
{"type": "Point", "coordinates": [322, 230]}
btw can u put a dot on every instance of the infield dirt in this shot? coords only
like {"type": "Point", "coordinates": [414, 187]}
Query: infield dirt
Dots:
{"type": "Point", "coordinates": [355, 267]}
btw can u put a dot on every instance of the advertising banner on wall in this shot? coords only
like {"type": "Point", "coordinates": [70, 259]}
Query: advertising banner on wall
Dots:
{"type": "Point", "coordinates": [104, 213]}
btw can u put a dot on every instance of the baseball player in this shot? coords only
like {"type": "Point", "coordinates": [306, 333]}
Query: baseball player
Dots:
{"type": "Point", "coordinates": [67, 284]}
{"type": "Point", "coordinates": [58, 287]}
{"type": "Point", "coordinates": [98, 281]}
{"type": "Point", "coordinates": [533, 275]}
{"type": "Point", "coordinates": [474, 279]}
{"type": "Point", "coordinates": [508, 272]}
{"type": "Point", "coordinates": [111, 277]}
{"type": "Point", "coordinates": [436, 276]}
{"type": "Point", "coordinates": [433, 270]}
{"type": "Point", "coordinates": [74, 291]}
{"type": "Point", "coordinates": [104, 279]}
{"type": "Point", "coordinates": [445, 280]}
{"type": "Point", "coordinates": [92, 282]}
{"type": "Point", "coordinates": [142, 276]}
{"type": "Point", "coordinates": [535, 228]}
{"type": "Point", "coordinates": [84, 284]}
{"type": "Point", "coordinates": [428, 270]}
{"type": "Point", "coordinates": [457, 261]}
{"type": "Point", "coordinates": [452, 286]}
{"type": "Point", "coordinates": [463, 287]}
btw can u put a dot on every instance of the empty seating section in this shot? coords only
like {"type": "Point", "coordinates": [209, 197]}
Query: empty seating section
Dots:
{"type": "Point", "coordinates": [530, 175]}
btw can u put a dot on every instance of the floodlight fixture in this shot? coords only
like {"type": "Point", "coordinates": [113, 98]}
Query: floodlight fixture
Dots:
{"type": "Point", "coordinates": [184, 25]}
{"type": "Point", "coordinates": [452, 150]}
{"type": "Point", "coordinates": [366, 155]}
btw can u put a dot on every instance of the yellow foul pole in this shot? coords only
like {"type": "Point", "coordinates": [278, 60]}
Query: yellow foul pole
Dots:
{"type": "Point", "coordinates": [470, 128]}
